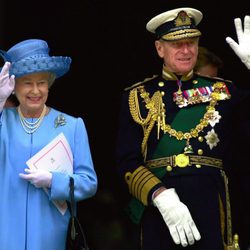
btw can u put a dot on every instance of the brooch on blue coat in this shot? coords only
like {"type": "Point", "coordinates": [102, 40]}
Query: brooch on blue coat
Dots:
{"type": "Point", "coordinates": [60, 121]}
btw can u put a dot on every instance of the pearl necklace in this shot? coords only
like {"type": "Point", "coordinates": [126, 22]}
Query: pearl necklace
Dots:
{"type": "Point", "coordinates": [31, 127]}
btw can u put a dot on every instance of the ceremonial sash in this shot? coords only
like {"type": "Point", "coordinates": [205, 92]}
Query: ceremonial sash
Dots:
{"type": "Point", "coordinates": [170, 146]}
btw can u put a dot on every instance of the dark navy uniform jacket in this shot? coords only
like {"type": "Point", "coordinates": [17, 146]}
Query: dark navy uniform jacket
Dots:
{"type": "Point", "coordinates": [201, 189]}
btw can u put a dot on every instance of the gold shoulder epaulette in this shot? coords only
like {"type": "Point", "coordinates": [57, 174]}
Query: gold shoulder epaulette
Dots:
{"type": "Point", "coordinates": [214, 78]}
{"type": "Point", "coordinates": [139, 83]}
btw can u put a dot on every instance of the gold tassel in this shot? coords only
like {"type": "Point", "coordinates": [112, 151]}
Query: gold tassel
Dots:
{"type": "Point", "coordinates": [235, 245]}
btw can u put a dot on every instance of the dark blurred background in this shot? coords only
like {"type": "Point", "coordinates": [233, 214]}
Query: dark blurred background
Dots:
{"type": "Point", "coordinates": [110, 50]}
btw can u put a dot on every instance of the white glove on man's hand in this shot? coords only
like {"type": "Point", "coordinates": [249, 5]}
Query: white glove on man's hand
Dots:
{"type": "Point", "coordinates": [7, 84]}
{"type": "Point", "coordinates": [40, 178]}
{"type": "Point", "coordinates": [242, 50]}
{"type": "Point", "coordinates": [177, 217]}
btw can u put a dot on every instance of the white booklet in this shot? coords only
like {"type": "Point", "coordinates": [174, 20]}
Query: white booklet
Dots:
{"type": "Point", "coordinates": [55, 156]}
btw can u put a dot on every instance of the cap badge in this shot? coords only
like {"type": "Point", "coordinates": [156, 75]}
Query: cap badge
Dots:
{"type": "Point", "coordinates": [182, 19]}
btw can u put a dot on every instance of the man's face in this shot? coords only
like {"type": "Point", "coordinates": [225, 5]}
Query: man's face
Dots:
{"type": "Point", "coordinates": [179, 56]}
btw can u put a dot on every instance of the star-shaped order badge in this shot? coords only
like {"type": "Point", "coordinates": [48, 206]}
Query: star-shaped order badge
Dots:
{"type": "Point", "coordinates": [212, 139]}
{"type": "Point", "coordinates": [214, 118]}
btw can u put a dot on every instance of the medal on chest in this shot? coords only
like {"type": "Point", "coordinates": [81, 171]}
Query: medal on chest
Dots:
{"type": "Point", "coordinates": [183, 98]}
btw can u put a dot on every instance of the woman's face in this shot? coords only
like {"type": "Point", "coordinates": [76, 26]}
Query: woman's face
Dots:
{"type": "Point", "coordinates": [32, 92]}
{"type": "Point", "coordinates": [179, 56]}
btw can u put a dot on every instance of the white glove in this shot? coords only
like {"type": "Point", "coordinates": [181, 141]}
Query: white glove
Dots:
{"type": "Point", "coordinates": [177, 217]}
{"type": "Point", "coordinates": [40, 178]}
{"type": "Point", "coordinates": [7, 84]}
{"type": "Point", "coordinates": [242, 50]}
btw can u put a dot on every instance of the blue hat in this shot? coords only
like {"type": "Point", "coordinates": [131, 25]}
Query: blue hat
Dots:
{"type": "Point", "coordinates": [32, 56]}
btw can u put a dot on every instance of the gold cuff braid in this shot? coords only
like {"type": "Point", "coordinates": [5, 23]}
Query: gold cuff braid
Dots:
{"type": "Point", "coordinates": [140, 182]}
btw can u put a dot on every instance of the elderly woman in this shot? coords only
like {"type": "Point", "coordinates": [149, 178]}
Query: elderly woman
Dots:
{"type": "Point", "coordinates": [33, 200]}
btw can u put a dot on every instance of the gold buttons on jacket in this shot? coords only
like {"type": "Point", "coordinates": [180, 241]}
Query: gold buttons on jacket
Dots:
{"type": "Point", "coordinates": [161, 84]}
{"type": "Point", "coordinates": [200, 152]}
{"type": "Point", "coordinates": [169, 168]}
{"type": "Point", "coordinates": [201, 139]}
{"type": "Point", "coordinates": [195, 81]}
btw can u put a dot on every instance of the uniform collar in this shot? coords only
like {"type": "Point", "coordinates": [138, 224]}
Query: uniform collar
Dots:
{"type": "Point", "coordinates": [167, 75]}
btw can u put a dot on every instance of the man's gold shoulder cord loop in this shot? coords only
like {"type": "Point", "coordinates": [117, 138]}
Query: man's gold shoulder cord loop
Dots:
{"type": "Point", "coordinates": [155, 109]}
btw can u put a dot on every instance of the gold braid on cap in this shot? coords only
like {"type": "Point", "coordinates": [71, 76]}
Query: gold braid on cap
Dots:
{"type": "Point", "coordinates": [181, 34]}
{"type": "Point", "coordinates": [155, 108]}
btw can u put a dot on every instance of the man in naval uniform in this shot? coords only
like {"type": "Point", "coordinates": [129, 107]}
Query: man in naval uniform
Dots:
{"type": "Point", "coordinates": [174, 134]}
